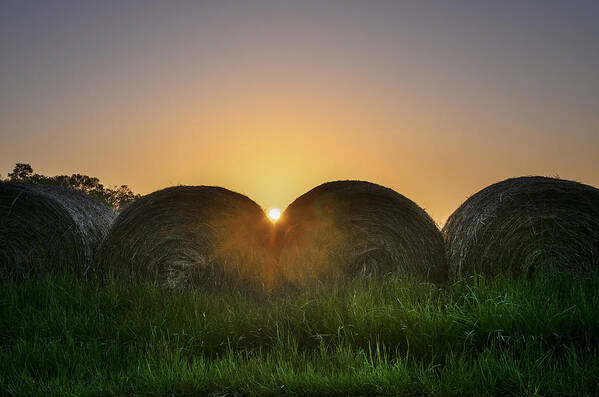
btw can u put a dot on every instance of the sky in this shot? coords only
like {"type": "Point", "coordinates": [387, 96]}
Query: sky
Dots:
{"type": "Point", "coordinates": [434, 99]}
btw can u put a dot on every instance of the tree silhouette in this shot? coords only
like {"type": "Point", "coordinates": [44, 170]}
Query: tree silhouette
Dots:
{"type": "Point", "coordinates": [116, 197]}
{"type": "Point", "coordinates": [21, 172]}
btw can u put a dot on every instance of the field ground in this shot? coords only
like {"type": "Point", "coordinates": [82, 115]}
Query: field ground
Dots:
{"type": "Point", "coordinates": [63, 336]}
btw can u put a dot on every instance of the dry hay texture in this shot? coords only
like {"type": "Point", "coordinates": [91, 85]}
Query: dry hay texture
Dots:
{"type": "Point", "coordinates": [348, 229]}
{"type": "Point", "coordinates": [49, 227]}
{"type": "Point", "coordinates": [520, 223]}
{"type": "Point", "coordinates": [191, 236]}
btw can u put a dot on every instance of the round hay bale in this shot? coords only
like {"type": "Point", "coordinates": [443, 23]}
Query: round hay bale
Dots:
{"type": "Point", "coordinates": [521, 223]}
{"type": "Point", "coordinates": [49, 227]}
{"type": "Point", "coordinates": [187, 236]}
{"type": "Point", "coordinates": [353, 228]}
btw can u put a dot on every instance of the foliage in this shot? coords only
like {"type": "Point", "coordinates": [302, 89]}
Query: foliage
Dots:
{"type": "Point", "coordinates": [502, 336]}
{"type": "Point", "coordinates": [115, 197]}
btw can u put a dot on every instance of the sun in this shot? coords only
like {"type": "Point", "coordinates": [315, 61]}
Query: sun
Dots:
{"type": "Point", "coordinates": [274, 214]}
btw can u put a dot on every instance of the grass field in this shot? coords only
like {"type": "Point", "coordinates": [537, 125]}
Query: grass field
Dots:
{"type": "Point", "coordinates": [63, 336]}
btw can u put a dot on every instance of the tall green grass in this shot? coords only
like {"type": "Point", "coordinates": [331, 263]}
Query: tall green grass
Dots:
{"type": "Point", "coordinates": [63, 336]}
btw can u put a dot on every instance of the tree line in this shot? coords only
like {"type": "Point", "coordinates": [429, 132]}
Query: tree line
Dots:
{"type": "Point", "coordinates": [115, 197]}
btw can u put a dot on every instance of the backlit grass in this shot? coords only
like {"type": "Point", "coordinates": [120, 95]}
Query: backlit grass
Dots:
{"type": "Point", "coordinates": [63, 336]}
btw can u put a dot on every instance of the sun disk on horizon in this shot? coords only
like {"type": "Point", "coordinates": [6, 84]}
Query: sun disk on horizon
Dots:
{"type": "Point", "coordinates": [274, 214]}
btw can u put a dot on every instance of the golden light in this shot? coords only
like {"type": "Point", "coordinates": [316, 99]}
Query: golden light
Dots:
{"type": "Point", "coordinates": [274, 214]}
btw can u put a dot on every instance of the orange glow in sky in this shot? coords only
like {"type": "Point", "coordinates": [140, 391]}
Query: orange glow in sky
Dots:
{"type": "Point", "coordinates": [270, 99]}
